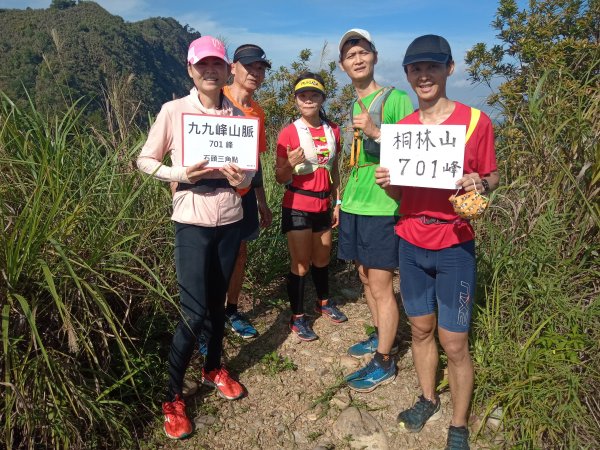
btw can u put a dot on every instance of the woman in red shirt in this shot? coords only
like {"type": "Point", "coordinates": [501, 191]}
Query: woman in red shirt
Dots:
{"type": "Point", "coordinates": [307, 164]}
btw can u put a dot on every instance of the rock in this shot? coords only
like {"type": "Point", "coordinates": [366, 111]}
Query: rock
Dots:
{"type": "Point", "coordinates": [341, 400]}
{"type": "Point", "coordinates": [312, 416]}
{"type": "Point", "coordinates": [300, 438]}
{"type": "Point", "coordinates": [362, 430]}
{"type": "Point", "coordinates": [349, 364]}
{"type": "Point", "coordinates": [494, 420]}
{"type": "Point", "coordinates": [204, 421]}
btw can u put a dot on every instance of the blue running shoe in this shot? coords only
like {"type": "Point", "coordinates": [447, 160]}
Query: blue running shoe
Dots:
{"type": "Point", "coordinates": [331, 311]}
{"type": "Point", "coordinates": [366, 347]}
{"type": "Point", "coordinates": [202, 345]}
{"type": "Point", "coordinates": [302, 328]}
{"type": "Point", "coordinates": [240, 325]}
{"type": "Point", "coordinates": [414, 419]}
{"type": "Point", "coordinates": [371, 376]}
{"type": "Point", "coordinates": [369, 346]}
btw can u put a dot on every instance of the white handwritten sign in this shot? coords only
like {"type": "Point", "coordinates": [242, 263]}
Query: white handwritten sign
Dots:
{"type": "Point", "coordinates": [220, 140]}
{"type": "Point", "coordinates": [423, 155]}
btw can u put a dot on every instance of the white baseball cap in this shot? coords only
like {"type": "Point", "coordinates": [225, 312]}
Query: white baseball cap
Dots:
{"type": "Point", "coordinates": [356, 33]}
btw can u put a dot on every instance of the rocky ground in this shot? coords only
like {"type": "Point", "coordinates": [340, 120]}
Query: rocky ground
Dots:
{"type": "Point", "coordinates": [296, 395]}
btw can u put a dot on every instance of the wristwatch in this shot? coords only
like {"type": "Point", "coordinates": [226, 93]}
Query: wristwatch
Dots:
{"type": "Point", "coordinates": [486, 186]}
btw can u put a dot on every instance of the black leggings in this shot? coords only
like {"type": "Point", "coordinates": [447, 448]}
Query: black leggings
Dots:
{"type": "Point", "coordinates": [204, 260]}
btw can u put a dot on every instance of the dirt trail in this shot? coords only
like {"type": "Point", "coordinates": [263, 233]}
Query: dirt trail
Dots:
{"type": "Point", "coordinates": [291, 409]}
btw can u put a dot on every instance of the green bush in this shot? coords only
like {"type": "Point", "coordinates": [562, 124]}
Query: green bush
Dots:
{"type": "Point", "coordinates": [536, 337]}
{"type": "Point", "coordinates": [82, 247]}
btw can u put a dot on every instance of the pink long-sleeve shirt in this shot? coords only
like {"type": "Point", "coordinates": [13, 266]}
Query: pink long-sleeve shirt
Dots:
{"type": "Point", "coordinates": [219, 207]}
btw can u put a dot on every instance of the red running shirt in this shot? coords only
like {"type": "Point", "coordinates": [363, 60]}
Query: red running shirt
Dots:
{"type": "Point", "coordinates": [480, 157]}
{"type": "Point", "coordinates": [318, 181]}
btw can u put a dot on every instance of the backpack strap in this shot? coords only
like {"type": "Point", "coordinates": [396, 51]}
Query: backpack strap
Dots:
{"type": "Point", "coordinates": [475, 115]}
{"type": "Point", "coordinates": [359, 142]}
{"type": "Point", "coordinates": [384, 96]}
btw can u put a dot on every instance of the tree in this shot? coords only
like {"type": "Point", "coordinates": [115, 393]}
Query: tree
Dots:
{"type": "Point", "coordinates": [540, 267]}
{"type": "Point", "coordinates": [553, 44]}
{"type": "Point", "coordinates": [276, 95]}
{"type": "Point", "coordinates": [62, 4]}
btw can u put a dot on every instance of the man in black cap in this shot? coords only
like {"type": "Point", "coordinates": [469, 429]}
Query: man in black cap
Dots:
{"type": "Point", "coordinates": [437, 247]}
{"type": "Point", "coordinates": [248, 69]}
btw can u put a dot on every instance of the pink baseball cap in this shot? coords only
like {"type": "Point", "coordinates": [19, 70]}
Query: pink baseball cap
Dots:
{"type": "Point", "coordinates": [204, 47]}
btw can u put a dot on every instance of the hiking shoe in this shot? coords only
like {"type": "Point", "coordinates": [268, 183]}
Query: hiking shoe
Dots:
{"type": "Point", "coordinates": [177, 425]}
{"type": "Point", "coordinates": [369, 346]}
{"type": "Point", "coordinates": [331, 311]}
{"type": "Point", "coordinates": [371, 376]}
{"type": "Point", "coordinates": [240, 325]}
{"type": "Point", "coordinates": [202, 345]}
{"type": "Point", "coordinates": [302, 328]}
{"type": "Point", "coordinates": [226, 386]}
{"type": "Point", "coordinates": [458, 438]}
{"type": "Point", "coordinates": [415, 418]}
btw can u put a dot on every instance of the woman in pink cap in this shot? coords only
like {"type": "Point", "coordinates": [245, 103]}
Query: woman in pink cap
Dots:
{"type": "Point", "coordinates": [207, 212]}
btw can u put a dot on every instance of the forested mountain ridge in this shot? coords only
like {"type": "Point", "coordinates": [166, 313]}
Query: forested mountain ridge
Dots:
{"type": "Point", "coordinates": [58, 55]}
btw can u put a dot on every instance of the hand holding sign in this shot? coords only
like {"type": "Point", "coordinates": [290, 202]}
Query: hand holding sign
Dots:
{"type": "Point", "coordinates": [382, 177]}
{"type": "Point", "coordinates": [197, 171]}
{"type": "Point", "coordinates": [364, 122]}
{"type": "Point", "coordinates": [295, 156]}
{"type": "Point", "coordinates": [233, 173]}
{"type": "Point", "coordinates": [423, 155]}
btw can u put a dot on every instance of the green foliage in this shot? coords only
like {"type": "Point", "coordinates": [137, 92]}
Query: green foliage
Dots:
{"type": "Point", "coordinates": [80, 251]}
{"type": "Point", "coordinates": [62, 4]}
{"type": "Point", "coordinates": [536, 336]}
{"type": "Point", "coordinates": [276, 95]}
{"type": "Point", "coordinates": [273, 363]}
{"type": "Point", "coordinates": [65, 53]}
{"type": "Point", "coordinates": [329, 393]}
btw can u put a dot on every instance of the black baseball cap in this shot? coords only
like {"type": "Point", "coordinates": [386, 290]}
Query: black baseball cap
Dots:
{"type": "Point", "coordinates": [249, 53]}
{"type": "Point", "coordinates": [428, 48]}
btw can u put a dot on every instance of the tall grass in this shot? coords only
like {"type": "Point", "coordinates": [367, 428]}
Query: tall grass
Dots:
{"type": "Point", "coordinates": [82, 246]}
{"type": "Point", "coordinates": [86, 276]}
{"type": "Point", "coordinates": [268, 255]}
{"type": "Point", "coordinates": [537, 335]}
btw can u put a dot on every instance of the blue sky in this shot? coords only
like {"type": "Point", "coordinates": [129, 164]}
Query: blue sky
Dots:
{"type": "Point", "coordinates": [284, 28]}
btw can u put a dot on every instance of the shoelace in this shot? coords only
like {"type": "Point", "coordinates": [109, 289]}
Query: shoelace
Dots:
{"type": "Point", "coordinates": [302, 326]}
{"type": "Point", "coordinates": [222, 374]}
{"type": "Point", "coordinates": [365, 370]}
{"type": "Point", "coordinates": [176, 407]}
{"type": "Point", "coordinates": [457, 439]}
{"type": "Point", "coordinates": [370, 340]}
{"type": "Point", "coordinates": [421, 406]}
